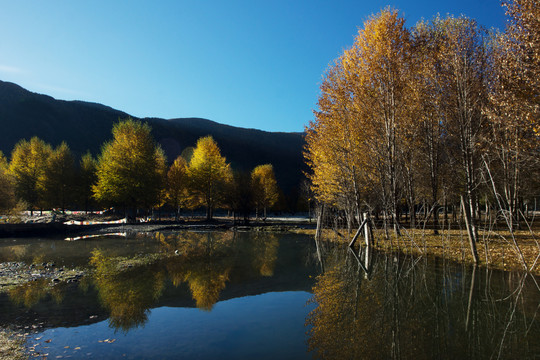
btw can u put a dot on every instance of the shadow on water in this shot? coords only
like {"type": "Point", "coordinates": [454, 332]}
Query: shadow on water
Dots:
{"type": "Point", "coordinates": [394, 306]}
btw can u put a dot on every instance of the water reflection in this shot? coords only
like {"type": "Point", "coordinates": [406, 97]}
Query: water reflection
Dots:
{"type": "Point", "coordinates": [200, 264]}
{"type": "Point", "coordinates": [126, 294]}
{"type": "Point", "coordinates": [33, 292]}
{"type": "Point", "coordinates": [423, 309]}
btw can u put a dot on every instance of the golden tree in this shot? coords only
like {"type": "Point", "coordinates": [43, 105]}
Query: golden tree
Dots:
{"type": "Point", "coordinates": [28, 162]}
{"type": "Point", "coordinates": [431, 137]}
{"type": "Point", "coordinates": [522, 60]}
{"type": "Point", "coordinates": [356, 138]}
{"type": "Point", "coordinates": [463, 68]}
{"type": "Point", "coordinates": [514, 108]}
{"type": "Point", "coordinates": [208, 174]}
{"type": "Point", "coordinates": [131, 168]}
{"type": "Point", "coordinates": [264, 185]}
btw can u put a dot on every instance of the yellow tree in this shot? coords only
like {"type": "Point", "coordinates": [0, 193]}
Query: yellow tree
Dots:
{"type": "Point", "coordinates": [177, 182]}
{"type": "Point", "coordinates": [335, 144]}
{"type": "Point", "coordinates": [363, 106]}
{"type": "Point", "coordinates": [130, 170]}
{"type": "Point", "coordinates": [431, 139]}
{"type": "Point", "coordinates": [514, 108]}
{"type": "Point", "coordinates": [28, 161]}
{"type": "Point", "coordinates": [384, 67]}
{"type": "Point", "coordinates": [56, 182]}
{"type": "Point", "coordinates": [264, 187]}
{"type": "Point", "coordinates": [463, 71]}
{"type": "Point", "coordinates": [523, 58]}
{"type": "Point", "coordinates": [208, 174]}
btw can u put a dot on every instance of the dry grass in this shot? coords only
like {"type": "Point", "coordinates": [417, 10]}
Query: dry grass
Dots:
{"type": "Point", "coordinates": [495, 248]}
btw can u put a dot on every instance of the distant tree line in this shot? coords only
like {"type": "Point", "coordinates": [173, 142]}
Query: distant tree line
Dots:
{"type": "Point", "coordinates": [443, 115]}
{"type": "Point", "coordinates": [131, 174]}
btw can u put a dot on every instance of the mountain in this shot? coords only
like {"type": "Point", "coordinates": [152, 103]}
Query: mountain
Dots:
{"type": "Point", "coordinates": [86, 126]}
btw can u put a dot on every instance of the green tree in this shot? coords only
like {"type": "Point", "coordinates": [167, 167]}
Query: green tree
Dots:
{"type": "Point", "coordinates": [56, 182]}
{"type": "Point", "coordinates": [264, 187]}
{"type": "Point", "coordinates": [208, 174]}
{"type": "Point", "coordinates": [28, 163]}
{"type": "Point", "coordinates": [130, 170]}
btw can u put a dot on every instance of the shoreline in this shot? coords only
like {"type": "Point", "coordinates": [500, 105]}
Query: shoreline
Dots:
{"type": "Point", "coordinates": [47, 229]}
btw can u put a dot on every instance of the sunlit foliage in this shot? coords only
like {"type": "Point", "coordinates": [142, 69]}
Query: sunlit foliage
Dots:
{"type": "Point", "coordinates": [131, 168]}
{"type": "Point", "coordinates": [428, 116]}
{"type": "Point", "coordinates": [264, 187]}
{"type": "Point", "coordinates": [355, 143]}
{"type": "Point", "coordinates": [208, 174]}
{"type": "Point", "coordinates": [28, 164]}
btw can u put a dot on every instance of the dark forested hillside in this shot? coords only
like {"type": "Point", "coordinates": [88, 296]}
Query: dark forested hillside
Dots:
{"type": "Point", "coordinates": [86, 126]}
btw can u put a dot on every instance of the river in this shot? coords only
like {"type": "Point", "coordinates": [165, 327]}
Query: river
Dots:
{"type": "Point", "coordinates": [238, 295]}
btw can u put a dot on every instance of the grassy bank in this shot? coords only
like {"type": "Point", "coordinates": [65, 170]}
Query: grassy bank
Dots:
{"type": "Point", "coordinates": [496, 249]}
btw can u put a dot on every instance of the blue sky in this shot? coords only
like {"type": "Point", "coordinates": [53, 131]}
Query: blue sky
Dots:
{"type": "Point", "coordinates": [255, 64]}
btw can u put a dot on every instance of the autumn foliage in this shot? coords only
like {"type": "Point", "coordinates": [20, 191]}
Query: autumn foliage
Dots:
{"type": "Point", "coordinates": [422, 116]}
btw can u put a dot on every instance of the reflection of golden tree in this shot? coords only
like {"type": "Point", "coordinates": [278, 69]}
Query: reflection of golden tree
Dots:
{"type": "Point", "coordinates": [265, 251]}
{"type": "Point", "coordinates": [408, 310]}
{"type": "Point", "coordinates": [204, 263]}
{"type": "Point", "coordinates": [206, 282]}
{"type": "Point", "coordinates": [357, 318]}
{"type": "Point", "coordinates": [31, 293]}
{"type": "Point", "coordinates": [189, 243]}
{"type": "Point", "coordinates": [14, 253]}
{"type": "Point", "coordinates": [128, 295]}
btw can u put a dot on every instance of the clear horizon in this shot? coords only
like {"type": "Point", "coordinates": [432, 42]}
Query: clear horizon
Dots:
{"type": "Point", "coordinates": [249, 64]}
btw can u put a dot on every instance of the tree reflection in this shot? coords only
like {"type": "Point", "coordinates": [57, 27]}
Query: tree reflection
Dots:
{"type": "Point", "coordinates": [127, 294]}
{"type": "Point", "coordinates": [415, 308]}
{"type": "Point", "coordinates": [204, 262]}
{"type": "Point", "coordinates": [265, 252]}
{"type": "Point", "coordinates": [30, 293]}
{"type": "Point", "coordinates": [201, 261]}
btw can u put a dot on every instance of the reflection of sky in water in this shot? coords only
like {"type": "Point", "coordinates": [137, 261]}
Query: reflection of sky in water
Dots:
{"type": "Point", "coordinates": [267, 326]}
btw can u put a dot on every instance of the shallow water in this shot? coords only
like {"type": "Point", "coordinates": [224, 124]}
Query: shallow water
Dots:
{"type": "Point", "coordinates": [261, 295]}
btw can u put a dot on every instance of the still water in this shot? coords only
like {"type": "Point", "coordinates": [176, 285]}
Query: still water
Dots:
{"type": "Point", "coordinates": [247, 295]}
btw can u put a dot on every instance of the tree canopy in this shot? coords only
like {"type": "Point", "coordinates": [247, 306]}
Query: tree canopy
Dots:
{"type": "Point", "coordinates": [208, 174]}
{"type": "Point", "coordinates": [131, 167]}
{"type": "Point", "coordinates": [28, 163]}
{"type": "Point", "coordinates": [264, 185]}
